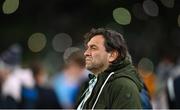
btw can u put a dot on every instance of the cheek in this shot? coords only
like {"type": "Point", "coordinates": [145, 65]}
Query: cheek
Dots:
{"type": "Point", "coordinates": [101, 56]}
{"type": "Point", "coordinates": [96, 55]}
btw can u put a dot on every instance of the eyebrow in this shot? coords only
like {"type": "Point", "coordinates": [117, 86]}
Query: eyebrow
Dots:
{"type": "Point", "coordinates": [92, 45]}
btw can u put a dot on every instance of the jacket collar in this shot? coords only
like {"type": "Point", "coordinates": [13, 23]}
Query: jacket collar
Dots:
{"type": "Point", "coordinates": [119, 64]}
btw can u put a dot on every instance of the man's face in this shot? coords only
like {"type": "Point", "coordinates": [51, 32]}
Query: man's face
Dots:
{"type": "Point", "coordinates": [96, 55]}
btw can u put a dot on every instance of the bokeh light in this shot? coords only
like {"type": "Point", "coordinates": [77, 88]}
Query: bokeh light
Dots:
{"type": "Point", "coordinates": [69, 51]}
{"type": "Point", "coordinates": [122, 16]}
{"type": "Point", "coordinates": [138, 11]}
{"type": "Point", "coordinates": [151, 8]}
{"type": "Point", "coordinates": [37, 42]}
{"type": "Point", "coordinates": [61, 42]}
{"type": "Point", "coordinates": [168, 3]}
{"type": "Point", "coordinates": [10, 6]}
{"type": "Point", "coordinates": [145, 66]}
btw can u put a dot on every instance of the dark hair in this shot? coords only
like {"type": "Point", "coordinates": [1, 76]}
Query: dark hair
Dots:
{"type": "Point", "coordinates": [113, 41]}
{"type": "Point", "coordinates": [76, 57]}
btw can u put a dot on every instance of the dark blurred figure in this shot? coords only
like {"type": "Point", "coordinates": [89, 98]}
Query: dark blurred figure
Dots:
{"type": "Point", "coordinates": [6, 102]}
{"type": "Point", "coordinates": [164, 68]}
{"type": "Point", "coordinates": [39, 96]}
{"type": "Point", "coordinates": [172, 88]}
{"type": "Point", "coordinates": [173, 92]}
{"type": "Point", "coordinates": [69, 80]}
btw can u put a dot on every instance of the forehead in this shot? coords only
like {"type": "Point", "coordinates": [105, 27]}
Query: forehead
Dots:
{"type": "Point", "coordinates": [96, 40]}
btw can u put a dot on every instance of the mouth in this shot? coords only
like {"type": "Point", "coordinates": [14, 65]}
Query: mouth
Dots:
{"type": "Point", "coordinates": [88, 59]}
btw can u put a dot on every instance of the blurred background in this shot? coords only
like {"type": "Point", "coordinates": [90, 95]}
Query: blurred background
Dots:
{"type": "Point", "coordinates": [39, 36]}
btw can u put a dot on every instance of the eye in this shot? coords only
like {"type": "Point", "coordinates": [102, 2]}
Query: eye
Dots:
{"type": "Point", "coordinates": [93, 47]}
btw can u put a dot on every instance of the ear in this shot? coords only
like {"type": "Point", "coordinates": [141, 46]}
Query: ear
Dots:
{"type": "Point", "coordinates": [112, 56]}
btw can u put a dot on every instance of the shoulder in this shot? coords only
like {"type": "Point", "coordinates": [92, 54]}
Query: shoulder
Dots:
{"type": "Point", "coordinates": [121, 86]}
{"type": "Point", "coordinates": [123, 82]}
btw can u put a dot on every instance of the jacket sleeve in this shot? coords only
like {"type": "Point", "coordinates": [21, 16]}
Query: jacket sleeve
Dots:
{"type": "Point", "coordinates": [124, 94]}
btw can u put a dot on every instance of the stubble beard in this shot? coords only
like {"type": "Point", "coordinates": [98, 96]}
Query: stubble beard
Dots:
{"type": "Point", "coordinates": [96, 68]}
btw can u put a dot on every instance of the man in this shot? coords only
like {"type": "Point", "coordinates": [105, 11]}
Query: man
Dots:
{"type": "Point", "coordinates": [115, 82]}
{"type": "Point", "coordinates": [67, 83]}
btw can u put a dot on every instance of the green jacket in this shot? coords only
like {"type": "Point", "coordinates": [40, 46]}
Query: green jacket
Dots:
{"type": "Point", "coordinates": [117, 87]}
